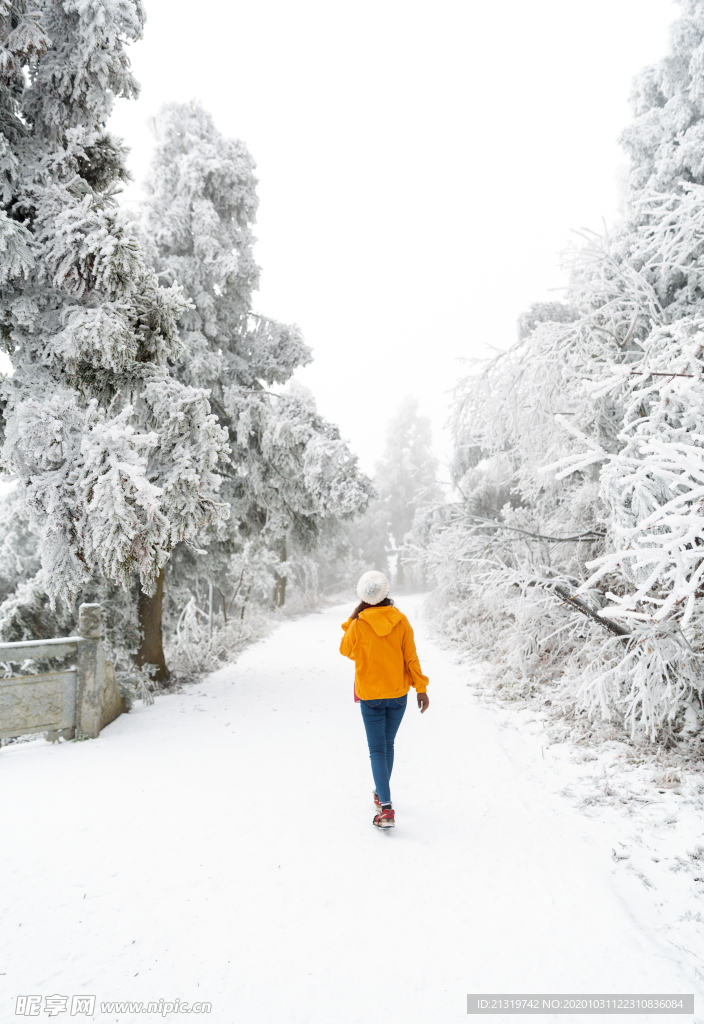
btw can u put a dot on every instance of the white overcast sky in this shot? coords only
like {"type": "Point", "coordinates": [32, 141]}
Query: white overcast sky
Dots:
{"type": "Point", "coordinates": [420, 166]}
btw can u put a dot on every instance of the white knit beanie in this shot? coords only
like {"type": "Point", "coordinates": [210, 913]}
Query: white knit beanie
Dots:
{"type": "Point", "coordinates": [373, 587]}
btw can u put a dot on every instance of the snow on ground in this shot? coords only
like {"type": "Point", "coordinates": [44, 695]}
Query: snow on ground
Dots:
{"type": "Point", "coordinates": [218, 846]}
{"type": "Point", "coordinates": [648, 809]}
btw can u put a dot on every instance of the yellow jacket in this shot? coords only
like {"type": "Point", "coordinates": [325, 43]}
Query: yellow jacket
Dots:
{"type": "Point", "coordinates": [380, 643]}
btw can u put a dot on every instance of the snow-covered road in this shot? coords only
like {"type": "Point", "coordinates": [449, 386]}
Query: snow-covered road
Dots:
{"type": "Point", "coordinates": [218, 846]}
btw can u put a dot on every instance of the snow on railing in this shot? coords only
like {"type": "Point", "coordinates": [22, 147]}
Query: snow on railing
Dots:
{"type": "Point", "coordinates": [77, 702]}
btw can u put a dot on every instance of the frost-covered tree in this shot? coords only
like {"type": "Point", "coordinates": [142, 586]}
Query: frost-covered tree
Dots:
{"type": "Point", "coordinates": [114, 456]}
{"type": "Point", "coordinates": [575, 550]}
{"type": "Point", "coordinates": [289, 472]}
{"type": "Point", "coordinates": [405, 475]}
{"type": "Point", "coordinates": [405, 479]}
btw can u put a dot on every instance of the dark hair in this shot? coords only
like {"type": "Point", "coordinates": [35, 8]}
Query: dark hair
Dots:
{"type": "Point", "coordinates": [362, 607]}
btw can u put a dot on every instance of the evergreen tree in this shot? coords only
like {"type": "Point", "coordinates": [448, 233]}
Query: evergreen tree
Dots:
{"type": "Point", "coordinates": [405, 481]}
{"type": "Point", "coordinates": [289, 472]}
{"type": "Point", "coordinates": [115, 457]}
{"type": "Point", "coordinates": [405, 475]}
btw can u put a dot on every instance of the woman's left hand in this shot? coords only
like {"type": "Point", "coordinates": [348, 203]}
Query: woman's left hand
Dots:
{"type": "Point", "coordinates": [423, 702]}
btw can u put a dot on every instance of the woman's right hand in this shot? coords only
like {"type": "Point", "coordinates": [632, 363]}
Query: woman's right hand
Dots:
{"type": "Point", "coordinates": [423, 702]}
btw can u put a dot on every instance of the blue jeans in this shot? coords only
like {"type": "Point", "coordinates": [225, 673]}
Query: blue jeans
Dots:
{"type": "Point", "coordinates": [381, 720]}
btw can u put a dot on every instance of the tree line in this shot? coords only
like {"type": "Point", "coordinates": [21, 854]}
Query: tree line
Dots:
{"type": "Point", "coordinates": [572, 554]}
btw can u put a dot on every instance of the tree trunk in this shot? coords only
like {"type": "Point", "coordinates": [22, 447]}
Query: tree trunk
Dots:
{"type": "Point", "coordinates": [280, 586]}
{"type": "Point", "coordinates": [399, 571]}
{"type": "Point", "coordinates": [151, 651]}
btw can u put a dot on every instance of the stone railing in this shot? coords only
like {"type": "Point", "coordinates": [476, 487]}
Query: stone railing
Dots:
{"type": "Point", "coordinates": [75, 703]}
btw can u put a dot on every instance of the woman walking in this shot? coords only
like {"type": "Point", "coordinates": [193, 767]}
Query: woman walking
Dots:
{"type": "Point", "coordinates": [379, 639]}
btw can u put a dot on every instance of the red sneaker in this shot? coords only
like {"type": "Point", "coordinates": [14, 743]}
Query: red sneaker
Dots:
{"type": "Point", "coordinates": [377, 801]}
{"type": "Point", "coordinates": [385, 819]}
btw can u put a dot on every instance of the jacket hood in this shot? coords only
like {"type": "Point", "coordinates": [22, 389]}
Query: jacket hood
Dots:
{"type": "Point", "coordinates": [382, 620]}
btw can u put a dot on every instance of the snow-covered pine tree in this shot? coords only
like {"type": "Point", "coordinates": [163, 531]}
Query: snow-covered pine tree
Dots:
{"type": "Point", "coordinates": [352, 548]}
{"type": "Point", "coordinates": [289, 471]}
{"type": "Point", "coordinates": [114, 456]}
{"type": "Point", "coordinates": [405, 475]}
{"type": "Point", "coordinates": [579, 452]}
{"type": "Point", "coordinates": [405, 479]}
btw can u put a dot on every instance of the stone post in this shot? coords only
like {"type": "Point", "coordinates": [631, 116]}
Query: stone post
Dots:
{"type": "Point", "coordinates": [90, 667]}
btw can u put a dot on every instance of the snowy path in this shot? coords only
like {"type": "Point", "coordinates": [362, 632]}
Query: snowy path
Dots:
{"type": "Point", "coordinates": [219, 846]}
